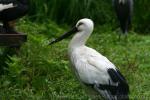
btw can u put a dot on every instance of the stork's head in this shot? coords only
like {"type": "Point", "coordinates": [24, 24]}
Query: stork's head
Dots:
{"type": "Point", "coordinates": [84, 25]}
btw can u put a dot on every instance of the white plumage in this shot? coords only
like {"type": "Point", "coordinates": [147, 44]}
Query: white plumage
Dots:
{"type": "Point", "coordinates": [93, 69]}
{"type": "Point", "coordinates": [6, 6]}
{"type": "Point", "coordinates": [90, 65]}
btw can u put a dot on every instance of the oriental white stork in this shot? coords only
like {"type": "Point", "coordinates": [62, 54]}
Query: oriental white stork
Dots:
{"type": "Point", "coordinates": [124, 10]}
{"type": "Point", "coordinates": [92, 69]}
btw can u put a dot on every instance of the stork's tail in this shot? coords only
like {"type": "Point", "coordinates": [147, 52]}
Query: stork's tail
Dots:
{"type": "Point", "coordinates": [123, 91]}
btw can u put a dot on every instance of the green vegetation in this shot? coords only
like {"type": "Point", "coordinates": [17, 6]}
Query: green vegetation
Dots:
{"type": "Point", "coordinates": [42, 72]}
{"type": "Point", "coordinates": [101, 11]}
{"type": "Point", "coordinates": [70, 11]}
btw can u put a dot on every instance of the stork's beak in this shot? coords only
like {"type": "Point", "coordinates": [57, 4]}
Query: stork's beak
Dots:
{"type": "Point", "coordinates": [65, 35]}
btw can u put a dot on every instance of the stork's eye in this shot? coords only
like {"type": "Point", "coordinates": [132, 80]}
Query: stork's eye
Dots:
{"type": "Point", "coordinates": [80, 24]}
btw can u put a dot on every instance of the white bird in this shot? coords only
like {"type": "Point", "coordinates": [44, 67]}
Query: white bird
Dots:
{"type": "Point", "coordinates": [92, 69]}
{"type": "Point", "coordinates": [6, 6]}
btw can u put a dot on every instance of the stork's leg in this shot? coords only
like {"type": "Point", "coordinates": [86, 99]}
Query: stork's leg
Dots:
{"type": "Point", "coordinates": [126, 37]}
{"type": "Point", "coordinates": [118, 34]}
{"type": "Point", "coordinates": [104, 93]}
{"type": "Point", "coordinates": [98, 90]}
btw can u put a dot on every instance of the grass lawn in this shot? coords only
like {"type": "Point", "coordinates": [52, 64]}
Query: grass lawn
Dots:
{"type": "Point", "coordinates": [41, 72]}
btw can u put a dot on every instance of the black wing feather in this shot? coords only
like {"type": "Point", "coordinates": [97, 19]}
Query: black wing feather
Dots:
{"type": "Point", "coordinates": [122, 89]}
{"type": "Point", "coordinates": [116, 76]}
{"type": "Point", "coordinates": [119, 91]}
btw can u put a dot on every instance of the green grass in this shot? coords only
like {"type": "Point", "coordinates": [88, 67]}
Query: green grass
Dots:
{"type": "Point", "coordinates": [42, 72]}
{"type": "Point", "coordinates": [101, 11]}
{"type": "Point", "coordinates": [69, 11]}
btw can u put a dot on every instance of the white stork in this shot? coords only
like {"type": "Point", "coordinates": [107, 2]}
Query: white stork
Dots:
{"type": "Point", "coordinates": [92, 69]}
{"type": "Point", "coordinates": [124, 10]}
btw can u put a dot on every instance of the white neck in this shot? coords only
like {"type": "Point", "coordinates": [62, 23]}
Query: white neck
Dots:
{"type": "Point", "coordinates": [79, 39]}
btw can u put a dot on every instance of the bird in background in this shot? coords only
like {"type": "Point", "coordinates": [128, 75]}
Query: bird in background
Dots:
{"type": "Point", "coordinates": [92, 69]}
{"type": "Point", "coordinates": [10, 11]}
{"type": "Point", "coordinates": [6, 6]}
{"type": "Point", "coordinates": [124, 10]}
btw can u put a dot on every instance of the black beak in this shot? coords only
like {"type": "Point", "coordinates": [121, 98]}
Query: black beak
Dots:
{"type": "Point", "coordinates": [65, 35]}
